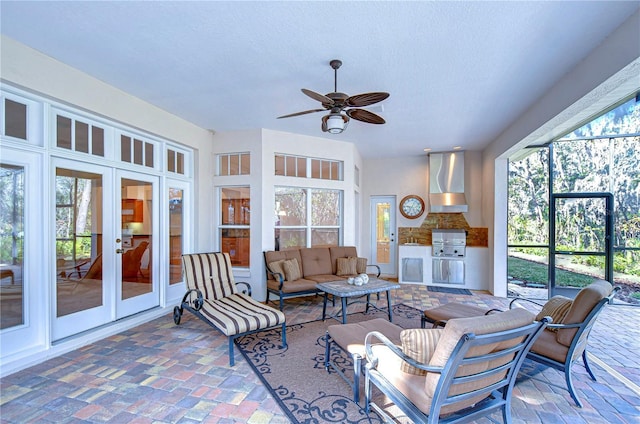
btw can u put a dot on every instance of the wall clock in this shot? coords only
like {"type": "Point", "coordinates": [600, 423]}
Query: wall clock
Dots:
{"type": "Point", "coordinates": [411, 206]}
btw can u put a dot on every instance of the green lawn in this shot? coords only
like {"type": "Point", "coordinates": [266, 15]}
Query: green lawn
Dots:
{"type": "Point", "coordinates": [533, 272]}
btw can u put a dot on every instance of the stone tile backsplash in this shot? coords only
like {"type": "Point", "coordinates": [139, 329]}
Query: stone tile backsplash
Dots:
{"type": "Point", "coordinates": [476, 236]}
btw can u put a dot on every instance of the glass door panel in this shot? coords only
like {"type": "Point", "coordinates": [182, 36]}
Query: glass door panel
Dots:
{"type": "Point", "coordinates": [135, 245]}
{"type": "Point", "coordinates": [12, 198]}
{"type": "Point", "coordinates": [83, 276]}
{"type": "Point", "coordinates": [383, 244]}
{"type": "Point", "coordinates": [78, 241]}
{"type": "Point", "coordinates": [582, 241]}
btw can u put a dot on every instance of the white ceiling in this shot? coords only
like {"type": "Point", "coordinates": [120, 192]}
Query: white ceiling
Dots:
{"type": "Point", "coordinates": [459, 72]}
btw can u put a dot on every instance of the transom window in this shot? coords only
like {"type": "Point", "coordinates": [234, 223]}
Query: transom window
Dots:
{"type": "Point", "coordinates": [234, 164]}
{"type": "Point", "coordinates": [305, 167]}
{"type": "Point", "coordinates": [80, 136]}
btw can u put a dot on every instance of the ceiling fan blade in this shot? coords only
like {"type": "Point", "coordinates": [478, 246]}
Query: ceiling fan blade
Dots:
{"type": "Point", "coordinates": [302, 113]}
{"type": "Point", "coordinates": [366, 99]}
{"type": "Point", "coordinates": [365, 116]}
{"type": "Point", "coordinates": [317, 96]}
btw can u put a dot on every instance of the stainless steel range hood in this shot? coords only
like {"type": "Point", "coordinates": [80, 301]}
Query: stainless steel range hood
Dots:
{"type": "Point", "coordinates": [446, 182]}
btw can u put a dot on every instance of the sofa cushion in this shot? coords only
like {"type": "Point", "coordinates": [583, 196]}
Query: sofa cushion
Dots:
{"type": "Point", "coordinates": [325, 278]}
{"type": "Point", "coordinates": [419, 344]}
{"type": "Point", "coordinates": [361, 265]}
{"type": "Point", "coordinates": [291, 269]}
{"type": "Point", "coordinates": [340, 252]}
{"type": "Point", "coordinates": [316, 261]}
{"type": "Point", "coordinates": [346, 266]}
{"type": "Point", "coordinates": [276, 267]}
{"type": "Point", "coordinates": [556, 308]}
{"type": "Point", "coordinates": [301, 285]}
{"type": "Point", "coordinates": [584, 302]}
{"type": "Point", "coordinates": [277, 255]}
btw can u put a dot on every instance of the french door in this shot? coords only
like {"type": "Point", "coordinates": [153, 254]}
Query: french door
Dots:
{"type": "Point", "coordinates": [383, 237]}
{"type": "Point", "coordinates": [106, 264]}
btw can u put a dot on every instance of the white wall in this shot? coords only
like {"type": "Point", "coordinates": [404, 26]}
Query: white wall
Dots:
{"type": "Point", "coordinates": [263, 145]}
{"type": "Point", "coordinates": [609, 73]}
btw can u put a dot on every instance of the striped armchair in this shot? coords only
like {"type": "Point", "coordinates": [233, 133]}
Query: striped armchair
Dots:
{"type": "Point", "coordinates": [213, 297]}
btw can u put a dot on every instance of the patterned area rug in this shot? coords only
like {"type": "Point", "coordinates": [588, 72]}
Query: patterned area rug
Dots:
{"type": "Point", "coordinates": [449, 290]}
{"type": "Point", "coordinates": [296, 376]}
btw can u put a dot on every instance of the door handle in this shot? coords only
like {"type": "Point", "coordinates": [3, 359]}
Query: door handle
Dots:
{"type": "Point", "coordinates": [119, 251]}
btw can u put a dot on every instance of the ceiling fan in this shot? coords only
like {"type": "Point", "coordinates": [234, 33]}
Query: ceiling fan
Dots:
{"type": "Point", "coordinates": [341, 106]}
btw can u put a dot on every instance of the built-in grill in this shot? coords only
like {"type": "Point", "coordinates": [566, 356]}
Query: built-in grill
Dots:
{"type": "Point", "coordinates": [448, 252]}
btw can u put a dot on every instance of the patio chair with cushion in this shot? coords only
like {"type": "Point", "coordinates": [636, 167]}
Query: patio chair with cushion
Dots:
{"type": "Point", "coordinates": [213, 297]}
{"type": "Point", "coordinates": [565, 340]}
{"type": "Point", "coordinates": [453, 374]}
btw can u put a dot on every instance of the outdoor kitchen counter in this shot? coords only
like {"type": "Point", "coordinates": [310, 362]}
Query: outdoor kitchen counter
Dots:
{"type": "Point", "coordinates": [415, 267]}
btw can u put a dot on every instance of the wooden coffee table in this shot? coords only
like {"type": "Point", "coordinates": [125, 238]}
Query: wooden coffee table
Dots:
{"type": "Point", "coordinates": [344, 290]}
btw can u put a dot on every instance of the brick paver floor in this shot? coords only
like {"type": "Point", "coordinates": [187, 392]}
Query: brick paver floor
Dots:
{"type": "Point", "coordinates": [162, 373]}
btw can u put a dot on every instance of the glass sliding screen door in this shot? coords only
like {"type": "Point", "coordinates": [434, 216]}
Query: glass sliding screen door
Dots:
{"type": "Point", "coordinates": [581, 241]}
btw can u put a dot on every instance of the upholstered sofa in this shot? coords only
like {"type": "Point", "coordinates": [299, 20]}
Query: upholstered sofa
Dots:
{"type": "Point", "coordinates": [296, 272]}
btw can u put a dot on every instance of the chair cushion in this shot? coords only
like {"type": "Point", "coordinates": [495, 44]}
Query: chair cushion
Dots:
{"type": "Point", "coordinates": [585, 301]}
{"type": "Point", "coordinates": [291, 269]}
{"type": "Point", "coordinates": [556, 308]}
{"type": "Point", "coordinates": [346, 266]}
{"type": "Point", "coordinates": [211, 273]}
{"type": "Point", "coordinates": [419, 344]}
{"type": "Point", "coordinates": [239, 313]}
{"type": "Point", "coordinates": [547, 345]}
{"type": "Point", "coordinates": [453, 331]}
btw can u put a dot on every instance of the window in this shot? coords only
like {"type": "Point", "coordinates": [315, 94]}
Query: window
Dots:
{"type": "Point", "coordinates": [307, 217]}
{"type": "Point", "coordinates": [234, 164]}
{"type": "Point", "coordinates": [176, 230]}
{"type": "Point", "coordinates": [298, 166]}
{"type": "Point", "coordinates": [15, 119]}
{"type": "Point", "coordinates": [235, 230]}
{"type": "Point", "coordinates": [72, 134]}
{"type": "Point", "coordinates": [175, 161]}
{"type": "Point", "coordinates": [136, 151]}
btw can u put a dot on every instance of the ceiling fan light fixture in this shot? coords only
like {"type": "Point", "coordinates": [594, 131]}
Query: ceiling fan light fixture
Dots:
{"type": "Point", "coordinates": [334, 123]}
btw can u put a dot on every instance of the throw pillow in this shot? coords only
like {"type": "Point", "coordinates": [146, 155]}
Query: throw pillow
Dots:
{"type": "Point", "coordinates": [291, 269]}
{"type": "Point", "coordinates": [419, 344]}
{"type": "Point", "coordinates": [346, 266]}
{"type": "Point", "coordinates": [361, 265]}
{"type": "Point", "coordinates": [276, 267]}
{"type": "Point", "coordinates": [557, 308]}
